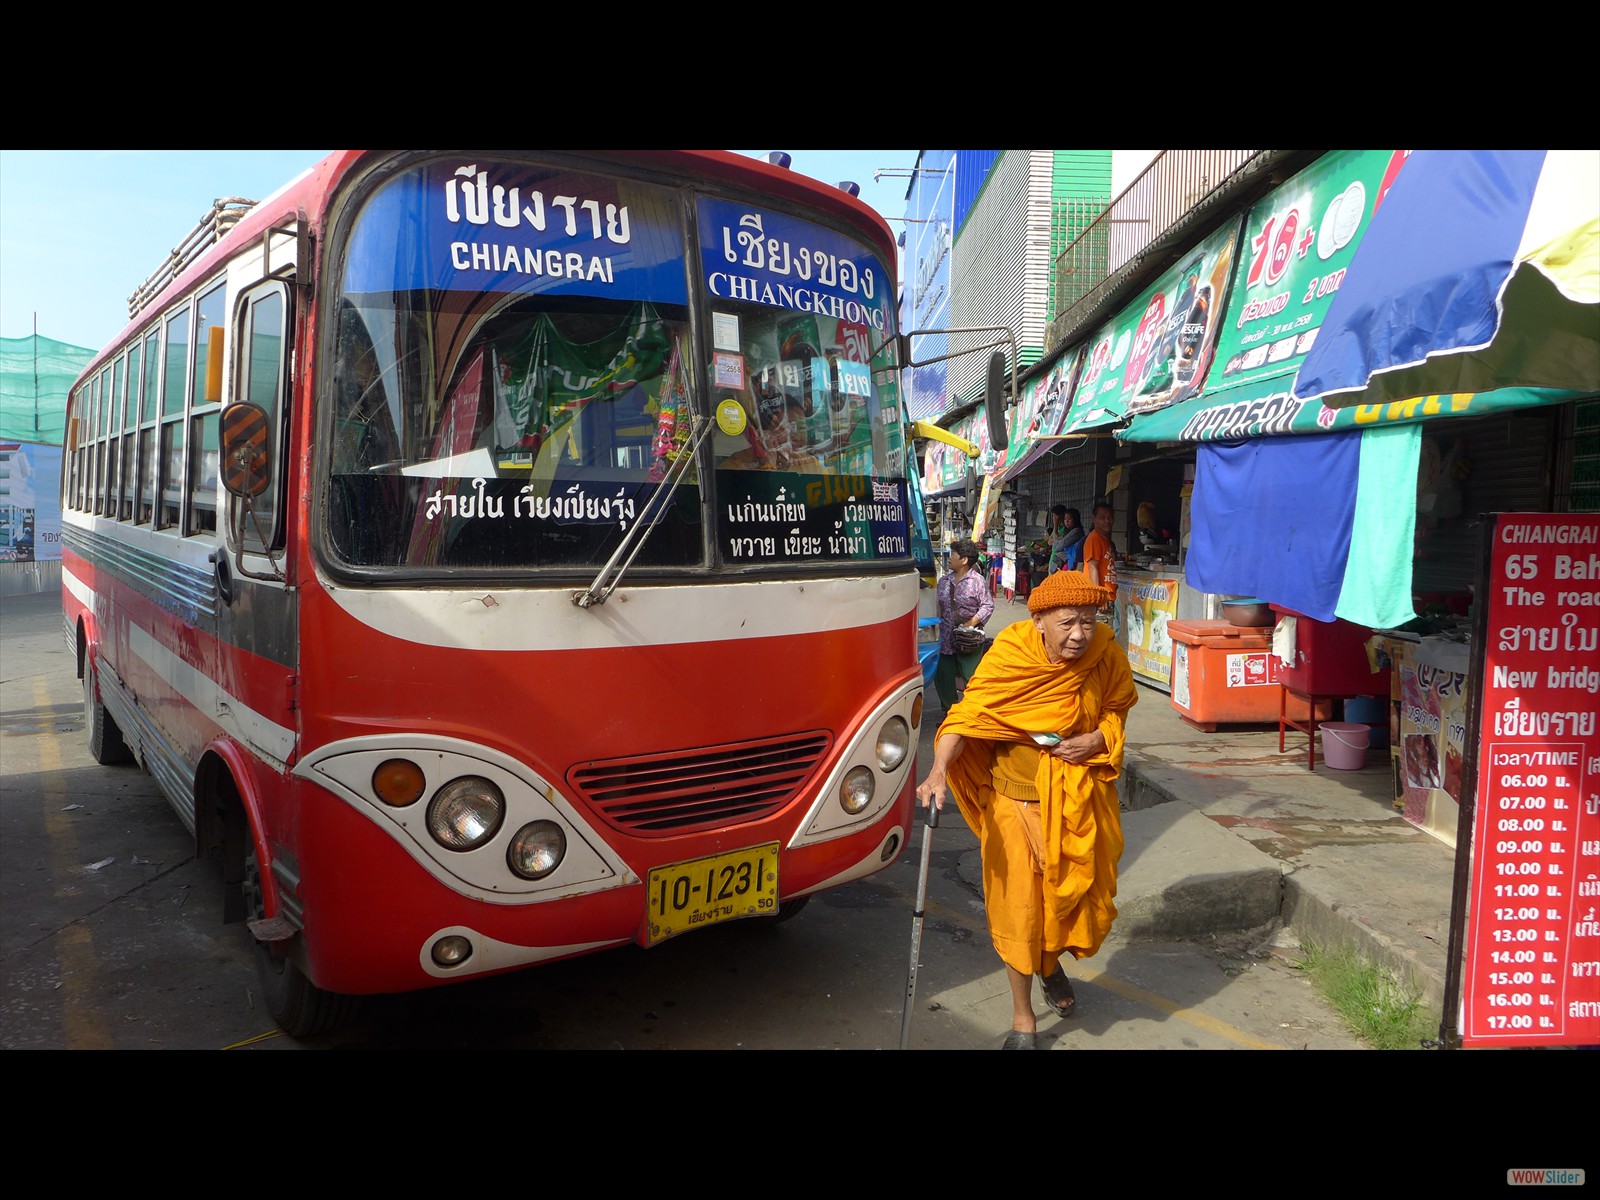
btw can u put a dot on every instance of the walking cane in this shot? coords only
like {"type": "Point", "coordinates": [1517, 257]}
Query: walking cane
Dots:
{"type": "Point", "coordinates": [916, 922]}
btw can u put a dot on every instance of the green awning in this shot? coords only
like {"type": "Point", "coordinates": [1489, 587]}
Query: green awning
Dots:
{"type": "Point", "coordinates": [1264, 407]}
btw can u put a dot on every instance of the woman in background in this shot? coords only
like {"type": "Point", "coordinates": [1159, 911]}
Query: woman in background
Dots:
{"type": "Point", "coordinates": [964, 599]}
{"type": "Point", "coordinates": [1066, 547]}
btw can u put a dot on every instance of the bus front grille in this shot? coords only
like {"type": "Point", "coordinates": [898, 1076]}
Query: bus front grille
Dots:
{"type": "Point", "coordinates": [686, 791]}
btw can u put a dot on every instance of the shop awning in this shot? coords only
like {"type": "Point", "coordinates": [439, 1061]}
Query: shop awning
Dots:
{"type": "Point", "coordinates": [1153, 354]}
{"type": "Point", "coordinates": [1482, 272]}
{"type": "Point", "coordinates": [1266, 407]}
{"type": "Point", "coordinates": [1305, 239]}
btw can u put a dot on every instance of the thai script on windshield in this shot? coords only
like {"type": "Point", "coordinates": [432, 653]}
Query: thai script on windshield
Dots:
{"type": "Point", "coordinates": [767, 258]}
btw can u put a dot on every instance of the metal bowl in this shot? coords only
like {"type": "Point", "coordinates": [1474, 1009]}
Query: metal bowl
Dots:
{"type": "Point", "coordinates": [1251, 614]}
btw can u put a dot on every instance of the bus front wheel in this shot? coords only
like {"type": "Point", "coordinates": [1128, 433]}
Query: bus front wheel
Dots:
{"type": "Point", "coordinates": [790, 909]}
{"type": "Point", "coordinates": [106, 744]}
{"type": "Point", "coordinates": [298, 1006]}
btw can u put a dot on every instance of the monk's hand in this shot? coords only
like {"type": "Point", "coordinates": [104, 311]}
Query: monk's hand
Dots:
{"type": "Point", "coordinates": [1080, 747]}
{"type": "Point", "coordinates": [931, 790]}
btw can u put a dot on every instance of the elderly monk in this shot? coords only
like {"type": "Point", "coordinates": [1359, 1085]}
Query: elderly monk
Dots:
{"type": "Point", "coordinates": [1045, 814]}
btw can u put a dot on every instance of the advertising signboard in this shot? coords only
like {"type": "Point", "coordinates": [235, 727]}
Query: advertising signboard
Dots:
{"type": "Point", "coordinates": [1297, 246]}
{"type": "Point", "coordinates": [1531, 974]}
{"type": "Point", "coordinates": [1155, 352]}
{"type": "Point", "coordinates": [1039, 413]}
{"type": "Point", "coordinates": [30, 507]}
{"type": "Point", "coordinates": [1146, 603]}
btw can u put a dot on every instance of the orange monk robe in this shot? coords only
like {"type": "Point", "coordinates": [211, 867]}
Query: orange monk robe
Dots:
{"type": "Point", "coordinates": [1018, 691]}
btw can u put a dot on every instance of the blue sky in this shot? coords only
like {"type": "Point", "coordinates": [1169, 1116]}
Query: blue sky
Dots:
{"type": "Point", "coordinates": [81, 229]}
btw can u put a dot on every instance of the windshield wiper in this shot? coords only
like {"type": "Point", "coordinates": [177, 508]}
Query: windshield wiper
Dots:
{"type": "Point", "coordinates": [633, 541]}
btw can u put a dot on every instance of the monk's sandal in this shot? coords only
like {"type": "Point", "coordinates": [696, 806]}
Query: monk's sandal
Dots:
{"type": "Point", "coordinates": [1058, 992]}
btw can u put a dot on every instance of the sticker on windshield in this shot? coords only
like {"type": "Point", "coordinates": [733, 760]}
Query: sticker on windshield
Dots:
{"type": "Point", "coordinates": [731, 417]}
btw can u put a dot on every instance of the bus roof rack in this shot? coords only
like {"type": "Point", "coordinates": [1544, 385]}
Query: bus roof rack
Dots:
{"type": "Point", "coordinates": [208, 231]}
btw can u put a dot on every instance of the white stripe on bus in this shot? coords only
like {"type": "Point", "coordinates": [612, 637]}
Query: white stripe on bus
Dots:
{"type": "Point", "coordinates": [489, 618]}
{"type": "Point", "coordinates": [271, 740]}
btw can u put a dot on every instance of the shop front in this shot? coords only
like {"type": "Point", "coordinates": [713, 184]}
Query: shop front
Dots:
{"type": "Point", "coordinates": [1034, 422]}
{"type": "Point", "coordinates": [1153, 354]}
{"type": "Point", "coordinates": [1360, 524]}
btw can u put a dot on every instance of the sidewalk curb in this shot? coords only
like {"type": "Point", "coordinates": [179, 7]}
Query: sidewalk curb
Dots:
{"type": "Point", "coordinates": [1315, 902]}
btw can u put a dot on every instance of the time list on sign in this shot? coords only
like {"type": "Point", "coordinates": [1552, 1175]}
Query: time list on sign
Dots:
{"type": "Point", "coordinates": [1532, 975]}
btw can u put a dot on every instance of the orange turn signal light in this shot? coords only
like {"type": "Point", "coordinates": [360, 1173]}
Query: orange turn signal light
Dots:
{"type": "Point", "coordinates": [398, 782]}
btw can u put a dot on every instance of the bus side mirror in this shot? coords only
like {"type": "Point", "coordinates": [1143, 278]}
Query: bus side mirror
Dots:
{"type": "Point", "coordinates": [246, 460]}
{"type": "Point", "coordinates": [994, 401]}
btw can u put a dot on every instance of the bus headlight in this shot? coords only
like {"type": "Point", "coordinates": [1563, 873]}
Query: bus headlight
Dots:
{"type": "Point", "coordinates": [894, 739]}
{"type": "Point", "coordinates": [855, 793]}
{"type": "Point", "coordinates": [465, 813]}
{"type": "Point", "coordinates": [537, 849]}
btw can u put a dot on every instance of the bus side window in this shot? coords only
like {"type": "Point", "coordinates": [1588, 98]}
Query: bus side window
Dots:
{"type": "Point", "coordinates": [169, 460]}
{"type": "Point", "coordinates": [203, 473]}
{"type": "Point", "coordinates": [148, 467]}
{"type": "Point", "coordinates": [262, 357]}
{"type": "Point", "coordinates": [130, 435]}
{"type": "Point", "coordinates": [205, 401]}
{"type": "Point", "coordinates": [114, 438]}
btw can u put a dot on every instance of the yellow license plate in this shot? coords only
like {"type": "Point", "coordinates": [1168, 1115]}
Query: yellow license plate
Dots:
{"type": "Point", "coordinates": [721, 887]}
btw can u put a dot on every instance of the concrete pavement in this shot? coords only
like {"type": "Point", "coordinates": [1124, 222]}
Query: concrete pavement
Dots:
{"type": "Point", "coordinates": [1226, 834]}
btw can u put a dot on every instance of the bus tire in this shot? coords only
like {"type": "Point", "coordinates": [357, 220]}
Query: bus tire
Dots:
{"type": "Point", "coordinates": [297, 1006]}
{"type": "Point", "coordinates": [106, 744]}
{"type": "Point", "coordinates": [791, 908]}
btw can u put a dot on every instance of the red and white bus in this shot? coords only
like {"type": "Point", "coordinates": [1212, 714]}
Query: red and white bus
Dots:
{"type": "Point", "coordinates": [500, 556]}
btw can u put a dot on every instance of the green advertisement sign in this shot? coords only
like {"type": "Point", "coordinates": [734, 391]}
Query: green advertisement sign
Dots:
{"type": "Point", "coordinates": [1296, 247]}
{"type": "Point", "coordinates": [1155, 352]}
{"type": "Point", "coordinates": [1039, 414]}
{"type": "Point", "coordinates": [945, 467]}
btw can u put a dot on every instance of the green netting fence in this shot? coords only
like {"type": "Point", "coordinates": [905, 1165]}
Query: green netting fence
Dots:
{"type": "Point", "coordinates": [36, 373]}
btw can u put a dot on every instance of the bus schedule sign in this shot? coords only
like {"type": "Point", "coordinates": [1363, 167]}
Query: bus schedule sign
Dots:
{"type": "Point", "coordinates": [1532, 973]}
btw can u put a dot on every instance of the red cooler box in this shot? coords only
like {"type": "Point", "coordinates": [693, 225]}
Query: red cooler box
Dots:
{"type": "Point", "coordinates": [1223, 674]}
{"type": "Point", "coordinates": [1330, 659]}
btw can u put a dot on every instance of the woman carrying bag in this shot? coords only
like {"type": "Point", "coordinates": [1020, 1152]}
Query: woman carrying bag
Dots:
{"type": "Point", "coordinates": [965, 604]}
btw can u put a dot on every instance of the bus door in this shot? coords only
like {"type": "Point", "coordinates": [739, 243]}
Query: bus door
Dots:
{"type": "Point", "coordinates": [257, 618]}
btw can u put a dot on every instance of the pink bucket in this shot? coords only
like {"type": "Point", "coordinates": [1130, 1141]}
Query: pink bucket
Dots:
{"type": "Point", "coordinates": [1344, 744]}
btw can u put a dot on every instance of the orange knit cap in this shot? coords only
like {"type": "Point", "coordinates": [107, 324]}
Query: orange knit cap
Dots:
{"type": "Point", "coordinates": [1067, 589]}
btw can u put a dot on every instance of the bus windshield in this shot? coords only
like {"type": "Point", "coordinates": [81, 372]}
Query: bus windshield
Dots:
{"type": "Point", "coordinates": [521, 353]}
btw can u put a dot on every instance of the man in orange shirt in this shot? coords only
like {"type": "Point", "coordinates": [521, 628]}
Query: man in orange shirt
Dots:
{"type": "Point", "coordinates": [1100, 560]}
{"type": "Point", "coordinates": [1032, 753]}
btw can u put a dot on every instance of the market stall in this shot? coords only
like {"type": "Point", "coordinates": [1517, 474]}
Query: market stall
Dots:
{"type": "Point", "coordinates": [1427, 712]}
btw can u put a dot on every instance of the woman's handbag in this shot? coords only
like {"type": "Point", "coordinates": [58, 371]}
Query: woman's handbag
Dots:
{"type": "Point", "coordinates": [965, 639]}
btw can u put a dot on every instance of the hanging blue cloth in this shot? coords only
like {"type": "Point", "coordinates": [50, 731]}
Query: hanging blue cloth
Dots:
{"type": "Point", "coordinates": [1272, 517]}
